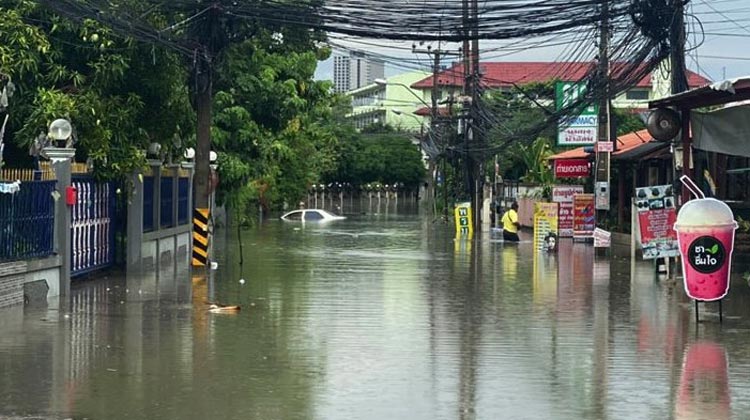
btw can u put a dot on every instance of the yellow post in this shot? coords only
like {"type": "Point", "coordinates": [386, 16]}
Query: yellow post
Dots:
{"type": "Point", "coordinates": [464, 225]}
{"type": "Point", "coordinates": [200, 237]}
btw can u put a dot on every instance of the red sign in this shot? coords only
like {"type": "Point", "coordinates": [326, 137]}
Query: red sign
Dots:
{"type": "Point", "coordinates": [584, 216]}
{"type": "Point", "coordinates": [657, 224]}
{"type": "Point", "coordinates": [565, 220]}
{"type": "Point", "coordinates": [656, 217]}
{"type": "Point", "coordinates": [572, 168]}
{"type": "Point", "coordinates": [564, 196]}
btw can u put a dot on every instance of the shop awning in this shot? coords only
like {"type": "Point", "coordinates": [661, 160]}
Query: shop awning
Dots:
{"type": "Point", "coordinates": [726, 91]}
{"type": "Point", "coordinates": [633, 146]}
{"type": "Point", "coordinates": [724, 130]}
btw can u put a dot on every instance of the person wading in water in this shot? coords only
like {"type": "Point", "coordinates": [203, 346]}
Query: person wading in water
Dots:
{"type": "Point", "coordinates": [510, 224]}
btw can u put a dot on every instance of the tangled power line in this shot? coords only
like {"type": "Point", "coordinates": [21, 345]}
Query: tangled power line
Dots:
{"type": "Point", "coordinates": [639, 28]}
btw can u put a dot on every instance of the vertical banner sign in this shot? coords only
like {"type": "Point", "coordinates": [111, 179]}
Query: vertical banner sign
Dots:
{"type": "Point", "coordinates": [464, 225]}
{"type": "Point", "coordinates": [579, 130]}
{"type": "Point", "coordinates": [584, 216]}
{"type": "Point", "coordinates": [545, 223]}
{"type": "Point", "coordinates": [656, 218]}
{"type": "Point", "coordinates": [200, 237]}
{"type": "Point", "coordinates": [563, 196]}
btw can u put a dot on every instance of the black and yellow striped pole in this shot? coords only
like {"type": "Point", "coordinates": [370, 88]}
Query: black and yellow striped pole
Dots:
{"type": "Point", "coordinates": [200, 237]}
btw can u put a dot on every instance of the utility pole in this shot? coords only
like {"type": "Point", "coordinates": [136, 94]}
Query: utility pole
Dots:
{"type": "Point", "coordinates": [679, 84]}
{"type": "Point", "coordinates": [435, 124]}
{"type": "Point", "coordinates": [602, 176]}
{"type": "Point", "coordinates": [475, 120]}
{"type": "Point", "coordinates": [471, 90]}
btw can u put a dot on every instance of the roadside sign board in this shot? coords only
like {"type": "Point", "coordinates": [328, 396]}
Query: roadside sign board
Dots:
{"type": "Point", "coordinates": [605, 146]}
{"type": "Point", "coordinates": [602, 238]}
{"type": "Point", "coordinates": [563, 196]}
{"type": "Point", "coordinates": [584, 216]}
{"type": "Point", "coordinates": [580, 130]}
{"type": "Point", "coordinates": [572, 168]}
{"type": "Point", "coordinates": [656, 218]}
{"type": "Point", "coordinates": [545, 223]}
{"type": "Point", "coordinates": [464, 226]}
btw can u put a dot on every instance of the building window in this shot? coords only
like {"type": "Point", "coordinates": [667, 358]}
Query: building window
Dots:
{"type": "Point", "coordinates": [637, 95]}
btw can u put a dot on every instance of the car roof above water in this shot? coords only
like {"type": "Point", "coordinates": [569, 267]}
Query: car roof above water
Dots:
{"type": "Point", "coordinates": [310, 215]}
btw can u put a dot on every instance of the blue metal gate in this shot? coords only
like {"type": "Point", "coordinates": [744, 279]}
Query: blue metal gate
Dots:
{"type": "Point", "coordinates": [27, 221]}
{"type": "Point", "coordinates": [92, 225]}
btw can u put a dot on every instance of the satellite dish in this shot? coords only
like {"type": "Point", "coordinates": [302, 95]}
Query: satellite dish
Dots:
{"type": "Point", "coordinates": [663, 124]}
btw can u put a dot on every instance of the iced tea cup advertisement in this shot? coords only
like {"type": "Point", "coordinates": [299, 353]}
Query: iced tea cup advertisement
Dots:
{"type": "Point", "coordinates": [656, 218]}
{"type": "Point", "coordinates": [705, 233]}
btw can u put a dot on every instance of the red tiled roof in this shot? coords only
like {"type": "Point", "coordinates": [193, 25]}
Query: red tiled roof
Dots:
{"type": "Point", "coordinates": [504, 74]}
{"type": "Point", "coordinates": [625, 143]}
{"type": "Point", "coordinates": [576, 153]}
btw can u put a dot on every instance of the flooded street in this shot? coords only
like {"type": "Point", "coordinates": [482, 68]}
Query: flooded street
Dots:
{"type": "Point", "coordinates": [381, 316]}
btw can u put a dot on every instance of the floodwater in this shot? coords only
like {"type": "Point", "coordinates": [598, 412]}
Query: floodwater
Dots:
{"type": "Point", "coordinates": [381, 316]}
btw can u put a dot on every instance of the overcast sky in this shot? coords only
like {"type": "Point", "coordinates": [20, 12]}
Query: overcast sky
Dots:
{"type": "Point", "coordinates": [722, 38]}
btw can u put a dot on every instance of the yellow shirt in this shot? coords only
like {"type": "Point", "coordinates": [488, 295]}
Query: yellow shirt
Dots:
{"type": "Point", "coordinates": [509, 220]}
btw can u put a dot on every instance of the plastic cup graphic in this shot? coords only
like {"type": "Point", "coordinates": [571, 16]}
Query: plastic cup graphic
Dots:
{"type": "Point", "coordinates": [705, 233]}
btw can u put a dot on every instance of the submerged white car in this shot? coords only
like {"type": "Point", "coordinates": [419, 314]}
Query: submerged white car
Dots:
{"type": "Point", "coordinates": [310, 215]}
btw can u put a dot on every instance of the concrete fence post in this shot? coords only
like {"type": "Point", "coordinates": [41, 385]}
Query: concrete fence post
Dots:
{"type": "Point", "coordinates": [61, 159]}
{"type": "Point", "coordinates": [135, 224]}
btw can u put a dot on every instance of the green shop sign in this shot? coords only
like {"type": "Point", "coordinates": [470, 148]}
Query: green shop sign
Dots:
{"type": "Point", "coordinates": [580, 130]}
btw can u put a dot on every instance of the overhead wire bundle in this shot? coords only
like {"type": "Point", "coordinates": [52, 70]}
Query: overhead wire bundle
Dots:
{"type": "Point", "coordinates": [639, 42]}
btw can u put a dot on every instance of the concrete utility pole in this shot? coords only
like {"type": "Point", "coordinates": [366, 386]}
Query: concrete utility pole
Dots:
{"type": "Point", "coordinates": [471, 90]}
{"type": "Point", "coordinates": [476, 175]}
{"type": "Point", "coordinates": [602, 176]}
{"type": "Point", "coordinates": [437, 54]}
{"type": "Point", "coordinates": [679, 83]}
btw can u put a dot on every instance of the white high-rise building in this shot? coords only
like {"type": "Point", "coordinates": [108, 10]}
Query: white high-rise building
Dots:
{"type": "Point", "coordinates": [355, 70]}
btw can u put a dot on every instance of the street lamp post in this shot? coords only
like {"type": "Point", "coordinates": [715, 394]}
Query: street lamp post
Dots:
{"type": "Point", "coordinates": [61, 154]}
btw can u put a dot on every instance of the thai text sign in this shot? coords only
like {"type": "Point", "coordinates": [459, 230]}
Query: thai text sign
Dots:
{"type": "Point", "coordinates": [463, 220]}
{"type": "Point", "coordinates": [572, 168]}
{"type": "Point", "coordinates": [563, 196]}
{"type": "Point", "coordinates": [602, 238]}
{"type": "Point", "coordinates": [584, 216]}
{"type": "Point", "coordinates": [656, 218]}
{"type": "Point", "coordinates": [580, 130]}
{"type": "Point", "coordinates": [545, 223]}
{"type": "Point", "coordinates": [605, 146]}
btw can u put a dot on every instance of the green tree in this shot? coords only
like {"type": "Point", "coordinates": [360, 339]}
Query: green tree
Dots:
{"type": "Point", "coordinates": [274, 125]}
{"type": "Point", "coordinates": [626, 121]}
{"type": "Point", "coordinates": [205, 33]}
{"type": "Point", "coordinates": [383, 156]}
{"type": "Point", "coordinates": [118, 95]}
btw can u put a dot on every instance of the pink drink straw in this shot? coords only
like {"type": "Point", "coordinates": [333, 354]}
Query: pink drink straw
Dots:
{"type": "Point", "coordinates": [690, 185]}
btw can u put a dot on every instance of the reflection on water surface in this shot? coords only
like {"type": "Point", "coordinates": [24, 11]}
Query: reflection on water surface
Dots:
{"type": "Point", "coordinates": [380, 316]}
